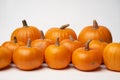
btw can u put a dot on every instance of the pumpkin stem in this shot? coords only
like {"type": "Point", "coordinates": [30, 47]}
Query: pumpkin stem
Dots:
{"type": "Point", "coordinates": [42, 35]}
{"type": "Point", "coordinates": [64, 26]}
{"type": "Point", "coordinates": [24, 23]}
{"type": "Point", "coordinates": [57, 42]}
{"type": "Point", "coordinates": [71, 38]}
{"type": "Point", "coordinates": [95, 24]}
{"type": "Point", "coordinates": [29, 43]}
{"type": "Point", "coordinates": [15, 39]}
{"type": "Point", "coordinates": [87, 45]}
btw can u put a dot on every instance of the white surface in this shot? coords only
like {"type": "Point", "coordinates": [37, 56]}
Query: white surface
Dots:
{"type": "Point", "coordinates": [48, 13]}
{"type": "Point", "coordinates": [70, 73]}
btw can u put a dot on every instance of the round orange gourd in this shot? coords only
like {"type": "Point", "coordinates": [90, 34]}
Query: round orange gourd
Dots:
{"type": "Point", "coordinates": [86, 59]}
{"type": "Point", "coordinates": [27, 57]}
{"type": "Point", "coordinates": [63, 33]}
{"type": "Point", "coordinates": [41, 43]}
{"type": "Point", "coordinates": [25, 32]}
{"type": "Point", "coordinates": [12, 45]}
{"type": "Point", "coordinates": [98, 44]}
{"type": "Point", "coordinates": [111, 56]}
{"type": "Point", "coordinates": [95, 32]}
{"type": "Point", "coordinates": [57, 56]}
{"type": "Point", "coordinates": [71, 44]}
{"type": "Point", "coordinates": [5, 57]}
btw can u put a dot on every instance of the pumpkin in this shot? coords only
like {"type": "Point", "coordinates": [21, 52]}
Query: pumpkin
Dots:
{"type": "Point", "coordinates": [71, 44]}
{"type": "Point", "coordinates": [25, 32]}
{"type": "Point", "coordinates": [41, 43]}
{"type": "Point", "coordinates": [111, 56]}
{"type": "Point", "coordinates": [63, 33]}
{"type": "Point", "coordinates": [27, 57]}
{"type": "Point", "coordinates": [57, 56]}
{"type": "Point", "coordinates": [98, 44]}
{"type": "Point", "coordinates": [12, 45]}
{"type": "Point", "coordinates": [95, 32]}
{"type": "Point", "coordinates": [5, 57]}
{"type": "Point", "coordinates": [86, 59]}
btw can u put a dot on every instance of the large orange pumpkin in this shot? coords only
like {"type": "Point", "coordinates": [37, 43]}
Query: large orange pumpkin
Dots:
{"type": "Point", "coordinates": [86, 59]}
{"type": "Point", "coordinates": [25, 32]}
{"type": "Point", "coordinates": [111, 56]}
{"type": "Point", "coordinates": [98, 44]}
{"type": "Point", "coordinates": [57, 56]}
{"type": "Point", "coordinates": [27, 57]}
{"type": "Point", "coordinates": [63, 33]}
{"type": "Point", "coordinates": [5, 57]}
{"type": "Point", "coordinates": [95, 32]}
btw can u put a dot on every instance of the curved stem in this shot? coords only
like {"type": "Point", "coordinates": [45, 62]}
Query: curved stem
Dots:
{"type": "Point", "coordinates": [15, 39]}
{"type": "Point", "coordinates": [95, 24]}
{"type": "Point", "coordinates": [42, 35]}
{"type": "Point", "coordinates": [29, 43]}
{"type": "Point", "coordinates": [87, 45]}
{"type": "Point", "coordinates": [24, 23]}
{"type": "Point", "coordinates": [64, 26]}
{"type": "Point", "coordinates": [57, 42]}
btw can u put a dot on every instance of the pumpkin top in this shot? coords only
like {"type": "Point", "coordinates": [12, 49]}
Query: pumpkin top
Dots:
{"type": "Point", "coordinates": [24, 23]}
{"type": "Point", "coordinates": [29, 43]}
{"type": "Point", "coordinates": [64, 26]}
{"type": "Point", "coordinates": [42, 35]}
{"type": "Point", "coordinates": [87, 45]}
{"type": "Point", "coordinates": [57, 42]}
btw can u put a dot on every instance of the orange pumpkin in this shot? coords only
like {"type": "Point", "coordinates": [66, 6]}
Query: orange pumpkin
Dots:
{"type": "Point", "coordinates": [25, 32]}
{"type": "Point", "coordinates": [12, 45]}
{"type": "Point", "coordinates": [71, 44]}
{"type": "Point", "coordinates": [27, 57]}
{"type": "Point", "coordinates": [111, 56]}
{"type": "Point", "coordinates": [86, 59]}
{"type": "Point", "coordinates": [57, 56]}
{"type": "Point", "coordinates": [63, 33]}
{"type": "Point", "coordinates": [5, 57]}
{"type": "Point", "coordinates": [98, 44]}
{"type": "Point", "coordinates": [95, 32]}
{"type": "Point", "coordinates": [42, 43]}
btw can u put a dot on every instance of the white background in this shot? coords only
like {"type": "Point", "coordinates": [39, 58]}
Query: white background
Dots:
{"type": "Point", "coordinates": [45, 14]}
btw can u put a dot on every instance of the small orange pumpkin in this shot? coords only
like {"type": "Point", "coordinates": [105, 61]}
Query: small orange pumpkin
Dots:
{"type": "Point", "coordinates": [25, 32]}
{"type": "Point", "coordinates": [57, 56]}
{"type": "Point", "coordinates": [95, 32]}
{"type": "Point", "coordinates": [63, 33]}
{"type": "Point", "coordinates": [5, 57]}
{"type": "Point", "coordinates": [27, 57]}
{"type": "Point", "coordinates": [41, 43]}
{"type": "Point", "coordinates": [86, 59]}
{"type": "Point", "coordinates": [12, 45]}
{"type": "Point", "coordinates": [111, 56]}
{"type": "Point", "coordinates": [98, 44]}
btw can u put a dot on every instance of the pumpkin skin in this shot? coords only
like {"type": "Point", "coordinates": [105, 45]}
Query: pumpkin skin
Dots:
{"type": "Point", "coordinates": [86, 59]}
{"type": "Point", "coordinates": [27, 57]}
{"type": "Point", "coordinates": [63, 33]}
{"type": "Point", "coordinates": [96, 32]}
{"type": "Point", "coordinates": [111, 56]}
{"type": "Point", "coordinates": [97, 44]}
{"type": "Point", "coordinates": [57, 56]}
{"type": "Point", "coordinates": [25, 32]}
{"type": "Point", "coordinates": [5, 57]}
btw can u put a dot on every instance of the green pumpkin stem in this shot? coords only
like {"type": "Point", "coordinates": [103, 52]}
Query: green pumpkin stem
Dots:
{"type": "Point", "coordinates": [29, 43]}
{"type": "Point", "coordinates": [42, 35]}
{"type": "Point", "coordinates": [57, 42]}
{"type": "Point", "coordinates": [71, 38]}
{"type": "Point", "coordinates": [64, 26]}
{"type": "Point", "coordinates": [95, 24]}
{"type": "Point", "coordinates": [24, 23]}
{"type": "Point", "coordinates": [87, 45]}
{"type": "Point", "coordinates": [15, 39]}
